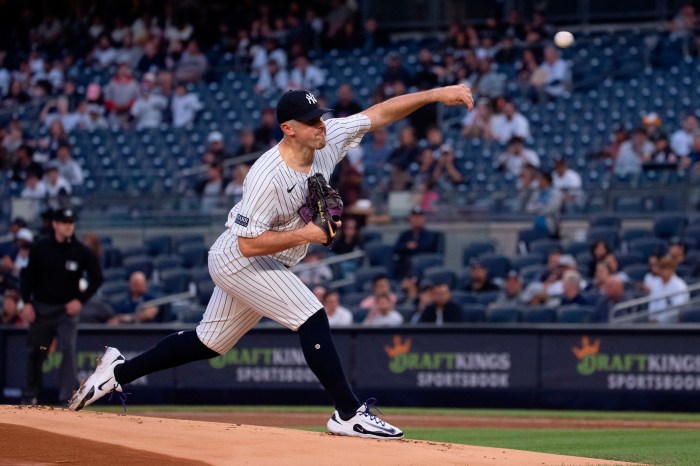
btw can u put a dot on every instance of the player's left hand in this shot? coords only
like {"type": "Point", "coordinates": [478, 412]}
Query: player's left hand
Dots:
{"type": "Point", "coordinates": [458, 94]}
{"type": "Point", "coordinates": [73, 307]}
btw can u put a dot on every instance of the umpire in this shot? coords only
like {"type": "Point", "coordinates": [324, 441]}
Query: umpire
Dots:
{"type": "Point", "coordinates": [53, 299]}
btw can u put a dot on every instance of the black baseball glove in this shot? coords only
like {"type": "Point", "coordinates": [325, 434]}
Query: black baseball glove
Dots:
{"type": "Point", "coordinates": [323, 207]}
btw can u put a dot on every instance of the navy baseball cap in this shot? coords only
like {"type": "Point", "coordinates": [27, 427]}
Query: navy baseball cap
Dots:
{"type": "Point", "coordinates": [300, 105]}
{"type": "Point", "coordinates": [64, 215]}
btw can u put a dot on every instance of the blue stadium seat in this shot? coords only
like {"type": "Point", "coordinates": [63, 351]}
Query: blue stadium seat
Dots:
{"type": "Point", "coordinates": [496, 264]}
{"type": "Point", "coordinates": [193, 255]}
{"type": "Point", "coordinates": [520, 262]}
{"type": "Point", "coordinates": [636, 272]}
{"type": "Point", "coordinates": [421, 262]}
{"type": "Point", "coordinates": [440, 274]}
{"type": "Point", "coordinates": [379, 254]}
{"type": "Point", "coordinates": [607, 234]}
{"type": "Point", "coordinates": [648, 246]}
{"type": "Point", "coordinates": [525, 237]}
{"type": "Point", "coordinates": [365, 275]}
{"type": "Point", "coordinates": [689, 316]}
{"type": "Point", "coordinates": [139, 263]}
{"type": "Point", "coordinates": [575, 314]}
{"type": "Point", "coordinates": [159, 245]}
{"type": "Point", "coordinates": [114, 274]}
{"type": "Point", "coordinates": [175, 281]}
{"type": "Point", "coordinates": [623, 260]}
{"type": "Point", "coordinates": [504, 315]}
{"type": "Point", "coordinates": [605, 221]}
{"type": "Point", "coordinates": [205, 288]}
{"type": "Point", "coordinates": [472, 313]}
{"type": "Point", "coordinates": [114, 290]}
{"type": "Point", "coordinates": [485, 297]}
{"type": "Point", "coordinates": [162, 263]}
{"type": "Point", "coordinates": [539, 315]}
{"type": "Point", "coordinates": [670, 225]}
{"type": "Point", "coordinates": [631, 234]}
{"type": "Point", "coordinates": [476, 249]}
{"type": "Point", "coordinates": [112, 257]}
{"type": "Point", "coordinates": [462, 297]}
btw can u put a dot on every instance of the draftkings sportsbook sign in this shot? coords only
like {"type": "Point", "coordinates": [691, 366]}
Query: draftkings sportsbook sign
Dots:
{"type": "Point", "coordinates": [621, 363]}
{"type": "Point", "coordinates": [416, 360]}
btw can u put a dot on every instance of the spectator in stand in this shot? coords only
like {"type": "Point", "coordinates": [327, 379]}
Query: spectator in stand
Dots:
{"type": "Point", "coordinates": [235, 186]}
{"type": "Point", "coordinates": [103, 55]}
{"type": "Point", "coordinates": [652, 275]}
{"type": "Point", "coordinates": [651, 122]}
{"type": "Point", "coordinates": [571, 283]}
{"type": "Point", "coordinates": [509, 124]}
{"type": "Point", "coordinates": [610, 260]}
{"type": "Point", "coordinates": [68, 168]}
{"type": "Point", "coordinates": [152, 60]}
{"type": "Point", "coordinates": [372, 36]}
{"type": "Point", "coordinates": [262, 54]}
{"type": "Point", "coordinates": [24, 163]}
{"type": "Point", "coordinates": [516, 157]}
{"type": "Point", "coordinates": [599, 249]}
{"type": "Point", "coordinates": [129, 52]}
{"type": "Point", "coordinates": [316, 274]}
{"type": "Point", "coordinates": [13, 265]}
{"type": "Point", "coordinates": [10, 315]}
{"type": "Point", "coordinates": [184, 106]}
{"type": "Point", "coordinates": [417, 295]}
{"type": "Point", "coordinates": [682, 139]}
{"type": "Point", "coordinates": [211, 188]}
{"type": "Point", "coordinates": [402, 157]}
{"type": "Point", "coordinates": [247, 143]}
{"type": "Point", "coordinates": [130, 310]}
{"type": "Point", "coordinates": [556, 76]}
{"type": "Point", "coordinates": [95, 118]}
{"type": "Point", "coordinates": [34, 189]}
{"type": "Point", "coordinates": [346, 104]}
{"type": "Point", "coordinates": [568, 181]}
{"type": "Point", "coordinates": [216, 147]}
{"type": "Point", "coordinates": [120, 94]}
{"type": "Point", "coordinates": [424, 77]}
{"type": "Point", "coordinates": [385, 314]}
{"type": "Point", "coordinates": [306, 75]}
{"type": "Point", "coordinates": [662, 151]}
{"type": "Point", "coordinates": [477, 123]}
{"type": "Point", "coordinates": [479, 281]}
{"type": "Point", "coordinates": [349, 238]}
{"type": "Point", "coordinates": [511, 294]}
{"type": "Point", "coordinates": [58, 109]}
{"type": "Point", "coordinates": [16, 96]}
{"type": "Point", "coordinates": [546, 205]}
{"type": "Point", "coordinates": [613, 293]}
{"type": "Point", "coordinates": [416, 240]}
{"type": "Point", "coordinates": [446, 176]}
{"type": "Point", "coordinates": [273, 80]}
{"type": "Point", "coordinates": [443, 309]}
{"type": "Point", "coordinates": [268, 133]}
{"type": "Point", "coordinates": [395, 72]}
{"type": "Point", "coordinates": [377, 152]}
{"type": "Point", "coordinates": [193, 64]}
{"type": "Point", "coordinates": [58, 190]}
{"type": "Point", "coordinates": [633, 153]}
{"type": "Point", "coordinates": [338, 316]}
{"type": "Point", "coordinates": [486, 81]}
{"type": "Point", "coordinates": [380, 285]}
{"type": "Point", "coordinates": [148, 108]}
{"type": "Point", "coordinates": [664, 308]}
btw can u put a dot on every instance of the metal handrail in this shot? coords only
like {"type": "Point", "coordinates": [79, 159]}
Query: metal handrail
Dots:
{"type": "Point", "coordinates": [329, 261]}
{"type": "Point", "coordinates": [171, 298]}
{"type": "Point", "coordinates": [645, 300]}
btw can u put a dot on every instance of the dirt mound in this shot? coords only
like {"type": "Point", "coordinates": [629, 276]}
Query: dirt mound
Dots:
{"type": "Point", "coordinates": [39, 435]}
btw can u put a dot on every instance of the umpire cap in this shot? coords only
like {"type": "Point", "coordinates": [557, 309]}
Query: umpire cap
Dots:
{"type": "Point", "coordinates": [64, 215]}
{"type": "Point", "coordinates": [300, 105]}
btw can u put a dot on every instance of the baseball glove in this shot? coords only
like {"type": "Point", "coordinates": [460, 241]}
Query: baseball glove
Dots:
{"type": "Point", "coordinates": [323, 207]}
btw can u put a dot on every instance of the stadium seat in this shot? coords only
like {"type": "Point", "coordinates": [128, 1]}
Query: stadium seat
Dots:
{"type": "Point", "coordinates": [690, 315]}
{"type": "Point", "coordinates": [134, 251]}
{"type": "Point", "coordinates": [476, 249]}
{"type": "Point", "coordinates": [162, 263]}
{"type": "Point", "coordinates": [159, 245]}
{"type": "Point", "coordinates": [114, 290]}
{"type": "Point", "coordinates": [648, 246]}
{"type": "Point", "coordinates": [539, 315]}
{"type": "Point", "coordinates": [485, 297]}
{"type": "Point", "coordinates": [636, 272]}
{"type": "Point", "coordinates": [352, 299]}
{"type": "Point", "coordinates": [472, 313]}
{"type": "Point", "coordinates": [623, 260]}
{"type": "Point", "coordinates": [462, 297]}
{"type": "Point", "coordinates": [503, 315]}
{"type": "Point", "coordinates": [112, 257]}
{"type": "Point", "coordinates": [359, 315]}
{"type": "Point", "coordinates": [496, 264]}
{"type": "Point", "coordinates": [138, 263]}
{"type": "Point", "coordinates": [607, 234]}
{"type": "Point", "coordinates": [205, 288]}
{"type": "Point", "coordinates": [605, 221]}
{"type": "Point", "coordinates": [631, 234]}
{"type": "Point", "coordinates": [421, 262]}
{"type": "Point", "coordinates": [114, 274]}
{"type": "Point", "coordinates": [440, 274]}
{"type": "Point", "coordinates": [365, 275]}
{"type": "Point", "coordinates": [520, 262]}
{"type": "Point", "coordinates": [379, 254]}
{"type": "Point", "coordinates": [175, 281]}
{"type": "Point", "coordinates": [670, 225]}
{"type": "Point", "coordinates": [544, 246]}
{"type": "Point", "coordinates": [576, 248]}
{"type": "Point", "coordinates": [575, 314]}
{"type": "Point", "coordinates": [525, 237]}
{"type": "Point", "coordinates": [193, 255]}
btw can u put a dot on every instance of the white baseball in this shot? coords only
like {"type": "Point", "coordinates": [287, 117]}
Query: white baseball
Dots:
{"type": "Point", "coordinates": [563, 39]}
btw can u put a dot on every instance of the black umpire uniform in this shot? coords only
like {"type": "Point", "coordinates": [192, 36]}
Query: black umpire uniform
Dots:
{"type": "Point", "coordinates": [50, 287]}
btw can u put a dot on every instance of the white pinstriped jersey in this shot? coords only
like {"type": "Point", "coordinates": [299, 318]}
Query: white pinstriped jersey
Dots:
{"type": "Point", "coordinates": [273, 193]}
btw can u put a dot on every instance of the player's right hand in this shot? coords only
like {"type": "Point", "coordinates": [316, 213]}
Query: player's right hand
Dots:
{"type": "Point", "coordinates": [28, 314]}
{"type": "Point", "coordinates": [458, 94]}
{"type": "Point", "coordinates": [314, 234]}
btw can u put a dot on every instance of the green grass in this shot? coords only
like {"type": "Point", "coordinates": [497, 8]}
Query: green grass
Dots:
{"type": "Point", "coordinates": [517, 413]}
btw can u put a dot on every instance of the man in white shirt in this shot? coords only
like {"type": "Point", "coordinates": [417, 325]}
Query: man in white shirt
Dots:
{"type": "Point", "coordinates": [567, 181]}
{"type": "Point", "coordinates": [517, 156]}
{"type": "Point", "coordinates": [682, 139]}
{"type": "Point", "coordinates": [338, 316]}
{"type": "Point", "coordinates": [385, 315]}
{"type": "Point", "coordinates": [305, 75]}
{"type": "Point", "coordinates": [148, 108]}
{"type": "Point", "coordinates": [510, 123]}
{"type": "Point", "coordinates": [633, 153]}
{"type": "Point", "coordinates": [68, 168]}
{"type": "Point", "coordinates": [272, 79]}
{"type": "Point", "coordinates": [665, 309]}
{"type": "Point", "coordinates": [184, 106]}
{"type": "Point", "coordinates": [557, 72]}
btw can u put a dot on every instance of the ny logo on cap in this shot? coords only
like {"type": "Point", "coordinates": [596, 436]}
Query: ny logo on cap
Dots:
{"type": "Point", "coordinates": [310, 97]}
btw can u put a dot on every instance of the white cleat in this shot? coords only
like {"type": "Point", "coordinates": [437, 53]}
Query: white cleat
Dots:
{"type": "Point", "coordinates": [364, 424]}
{"type": "Point", "coordinates": [100, 383]}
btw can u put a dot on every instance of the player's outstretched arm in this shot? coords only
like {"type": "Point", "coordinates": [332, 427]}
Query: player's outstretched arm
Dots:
{"type": "Point", "coordinates": [271, 242]}
{"type": "Point", "coordinates": [396, 108]}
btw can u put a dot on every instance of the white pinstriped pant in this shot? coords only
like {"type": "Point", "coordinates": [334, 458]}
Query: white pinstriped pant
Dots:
{"type": "Point", "coordinates": [241, 298]}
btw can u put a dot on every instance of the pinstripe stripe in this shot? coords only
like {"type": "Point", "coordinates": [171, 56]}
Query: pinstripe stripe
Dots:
{"type": "Point", "coordinates": [249, 288]}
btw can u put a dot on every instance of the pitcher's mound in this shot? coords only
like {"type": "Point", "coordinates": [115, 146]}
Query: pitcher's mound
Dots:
{"type": "Point", "coordinates": [39, 435]}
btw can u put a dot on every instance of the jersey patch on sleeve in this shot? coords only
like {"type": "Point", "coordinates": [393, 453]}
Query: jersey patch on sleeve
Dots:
{"type": "Point", "coordinates": [241, 220]}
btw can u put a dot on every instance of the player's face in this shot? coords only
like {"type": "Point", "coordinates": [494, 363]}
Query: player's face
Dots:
{"type": "Point", "coordinates": [313, 132]}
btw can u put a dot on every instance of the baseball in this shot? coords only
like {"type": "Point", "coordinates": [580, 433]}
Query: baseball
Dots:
{"type": "Point", "coordinates": [563, 39]}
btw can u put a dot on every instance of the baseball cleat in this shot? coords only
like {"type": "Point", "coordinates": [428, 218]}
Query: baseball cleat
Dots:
{"type": "Point", "coordinates": [100, 383]}
{"type": "Point", "coordinates": [364, 424]}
